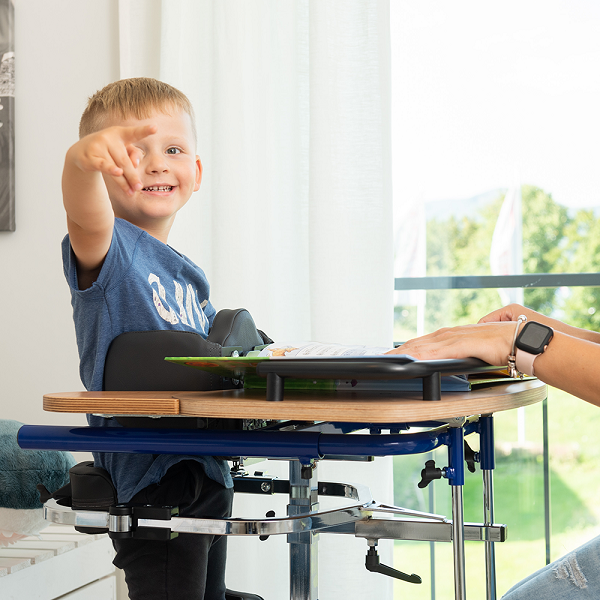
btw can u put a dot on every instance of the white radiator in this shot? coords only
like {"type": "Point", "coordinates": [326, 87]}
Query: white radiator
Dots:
{"type": "Point", "coordinates": [60, 563]}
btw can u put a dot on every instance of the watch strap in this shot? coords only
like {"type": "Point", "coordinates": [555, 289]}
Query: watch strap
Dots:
{"type": "Point", "coordinates": [524, 361]}
{"type": "Point", "coordinates": [512, 365]}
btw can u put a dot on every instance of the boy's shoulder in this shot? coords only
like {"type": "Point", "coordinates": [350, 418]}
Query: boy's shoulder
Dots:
{"type": "Point", "coordinates": [126, 234]}
{"type": "Point", "coordinates": [129, 246]}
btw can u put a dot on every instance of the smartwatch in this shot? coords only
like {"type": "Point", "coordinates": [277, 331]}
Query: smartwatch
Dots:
{"type": "Point", "coordinates": [530, 343]}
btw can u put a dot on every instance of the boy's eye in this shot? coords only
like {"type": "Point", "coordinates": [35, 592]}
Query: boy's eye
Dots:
{"type": "Point", "coordinates": [173, 151]}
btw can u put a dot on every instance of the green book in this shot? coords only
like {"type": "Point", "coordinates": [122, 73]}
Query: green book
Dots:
{"type": "Point", "coordinates": [233, 367]}
{"type": "Point", "coordinates": [244, 368]}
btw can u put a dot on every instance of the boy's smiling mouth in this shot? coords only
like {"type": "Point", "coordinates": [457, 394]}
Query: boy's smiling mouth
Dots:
{"type": "Point", "coordinates": [158, 188]}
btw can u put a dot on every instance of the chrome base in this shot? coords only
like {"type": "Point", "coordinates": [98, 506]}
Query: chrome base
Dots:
{"type": "Point", "coordinates": [302, 525]}
{"type": "Point", "coordinates": [354, 520]}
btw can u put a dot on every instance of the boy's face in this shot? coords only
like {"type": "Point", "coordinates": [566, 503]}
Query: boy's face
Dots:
{"type": "Point", "coordinates": [169, 171]}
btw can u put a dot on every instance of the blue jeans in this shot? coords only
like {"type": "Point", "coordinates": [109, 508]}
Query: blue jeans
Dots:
{"type": "Point", "coordinates": [572, 577]}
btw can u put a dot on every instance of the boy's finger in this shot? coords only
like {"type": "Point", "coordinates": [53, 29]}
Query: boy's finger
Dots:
{"type": "Point", "coordinates": [104, 165]}
{"type": "Point", "coordinates": [123, 160]}
{"type": "Point", "coordinates": [135, 155]}
{"type": "Point", "coordinates": [139, 132]}
{"type": "Point", "coordinates": [124, 185]}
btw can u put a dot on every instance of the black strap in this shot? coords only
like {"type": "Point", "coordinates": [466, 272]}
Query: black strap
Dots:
{"type": "Point", "coordinates": [62, 495]}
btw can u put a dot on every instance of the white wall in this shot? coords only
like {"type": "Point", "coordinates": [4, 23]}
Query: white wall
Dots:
{"type": "Point", "coordinates": [65, 51]}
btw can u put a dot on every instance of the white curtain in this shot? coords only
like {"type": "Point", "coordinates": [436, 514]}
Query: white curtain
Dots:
{"type": "Point", "coordinates": [293, 220]}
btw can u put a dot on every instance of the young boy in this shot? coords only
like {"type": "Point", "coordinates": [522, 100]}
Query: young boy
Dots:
{"type": "Point", "coordinates": [133, 168]}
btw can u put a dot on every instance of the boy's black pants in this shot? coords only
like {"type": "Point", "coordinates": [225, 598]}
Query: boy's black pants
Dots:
{"type": "Point", "coordinates": [191, 566]}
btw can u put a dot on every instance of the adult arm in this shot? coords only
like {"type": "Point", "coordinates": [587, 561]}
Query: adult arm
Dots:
{"type": "Point", "coordinates": [513, 311]}
{"type": "Point", "coordinates": [569, 363]}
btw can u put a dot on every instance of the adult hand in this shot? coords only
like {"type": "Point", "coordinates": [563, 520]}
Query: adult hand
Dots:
{"type": "Point", "coordinates": [490, 342]}
{"type": "Point", "coordinates": [508, 313]}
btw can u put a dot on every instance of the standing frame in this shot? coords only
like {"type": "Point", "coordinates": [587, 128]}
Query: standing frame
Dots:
{"type": "Point", "coordinates": [7, 117]}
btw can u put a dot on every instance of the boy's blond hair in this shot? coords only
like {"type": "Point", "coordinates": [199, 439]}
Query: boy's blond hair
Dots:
{"type": "Point", "coordinates": [136, 97]}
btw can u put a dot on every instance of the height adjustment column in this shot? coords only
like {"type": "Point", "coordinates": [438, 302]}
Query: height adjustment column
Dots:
{"type": "Point", "coordinates": [304, 498]}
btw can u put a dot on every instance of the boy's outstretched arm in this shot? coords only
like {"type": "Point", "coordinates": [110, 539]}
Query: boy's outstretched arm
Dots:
{"type": "Point", "coordinates": [90, 217]}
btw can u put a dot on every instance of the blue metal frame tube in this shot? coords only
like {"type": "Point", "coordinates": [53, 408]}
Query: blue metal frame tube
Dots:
{"type": "Point", "coordinates": [486, 449]}
{"type": "Point", "coordinates": [382, 445]}
{"type": "Point", "coordinates": [230, 443]}
{"type": "Point", "coordinates": [456, 456]}
{"type": "Point", "coordinates": [170, 441]}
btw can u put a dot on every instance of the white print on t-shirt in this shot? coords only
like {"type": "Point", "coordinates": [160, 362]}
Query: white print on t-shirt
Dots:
{"type": "Point", "coordinates": [168, 314]}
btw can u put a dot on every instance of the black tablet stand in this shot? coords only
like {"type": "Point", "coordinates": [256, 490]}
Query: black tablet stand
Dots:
{"type": "Point", "coordinates": [367, 367]}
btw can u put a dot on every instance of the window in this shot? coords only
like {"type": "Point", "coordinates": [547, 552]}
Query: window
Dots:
{"type": "Point", "coordinates": [498, 104]}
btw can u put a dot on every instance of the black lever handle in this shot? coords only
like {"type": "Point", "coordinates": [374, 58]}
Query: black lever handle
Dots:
{"type": "Point", "coordinates": [471, 457]}
{"type": "Point", "coordinates": [372, 563]}
{"type": "Point", "coordinates": [269, 514]}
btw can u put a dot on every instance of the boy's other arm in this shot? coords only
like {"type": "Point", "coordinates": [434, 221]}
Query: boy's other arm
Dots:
{"type": "Point", "coordinates": [90, 217]}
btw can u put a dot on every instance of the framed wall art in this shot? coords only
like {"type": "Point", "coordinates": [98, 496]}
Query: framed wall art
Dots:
{"type": "Point", "coordinates": [7, 116]}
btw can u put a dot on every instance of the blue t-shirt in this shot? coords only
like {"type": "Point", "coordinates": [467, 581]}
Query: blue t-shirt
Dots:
{"type": "Point", "coordinates": [144, 285]}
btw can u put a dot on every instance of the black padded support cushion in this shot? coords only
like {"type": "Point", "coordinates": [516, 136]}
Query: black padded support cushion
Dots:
{"type": "Point", "coordinates": [136, 362]}
{"type": "Point", "coordinates": [235, 327]}
{"type": "Point", "coordinates": [91, 487]}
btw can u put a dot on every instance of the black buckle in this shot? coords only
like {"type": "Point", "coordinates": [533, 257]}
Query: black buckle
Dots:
{"type": "Point", "coordinates": [124, 520]}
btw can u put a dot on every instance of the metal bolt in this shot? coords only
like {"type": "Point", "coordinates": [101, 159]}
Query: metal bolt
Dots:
{"type": "Point", "coordinates": [265, 486]}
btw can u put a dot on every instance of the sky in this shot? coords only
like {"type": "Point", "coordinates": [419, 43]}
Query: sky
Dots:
{"type": "Point", "coordinates": [487, 95]}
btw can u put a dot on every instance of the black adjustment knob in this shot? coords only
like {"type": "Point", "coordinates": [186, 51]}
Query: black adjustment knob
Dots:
{"type": "Point", "coordinates": [429, 473]}
{"type": "Point", "coordinates": [306, 471]}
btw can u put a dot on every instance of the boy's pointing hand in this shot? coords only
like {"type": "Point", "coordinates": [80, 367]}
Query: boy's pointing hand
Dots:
{"type": "Point", "coordinates": [111, 152]}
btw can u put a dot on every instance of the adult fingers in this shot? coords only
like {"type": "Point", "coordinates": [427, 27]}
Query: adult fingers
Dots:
{"type": "Point", "coordinates": [424, 350]}
{"type": "Point", "coordinates": [510, 312]}
{"type": "Point", "coordinates": [444, 343]}
{"type": "Point", "coordinates": [506, 313]}
{"type": "Point", "coordinates": [486, 342]}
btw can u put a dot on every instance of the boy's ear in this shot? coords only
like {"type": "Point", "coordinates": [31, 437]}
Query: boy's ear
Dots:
{"type": "Point", "coordinates": [198, 174]}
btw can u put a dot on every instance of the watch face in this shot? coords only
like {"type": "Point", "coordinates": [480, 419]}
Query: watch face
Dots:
{"type": "Point", "coordinates": [534, 337]}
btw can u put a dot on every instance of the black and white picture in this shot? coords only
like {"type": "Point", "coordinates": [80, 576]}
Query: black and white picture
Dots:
{"type": "Point", "coordinates": [7, 129]}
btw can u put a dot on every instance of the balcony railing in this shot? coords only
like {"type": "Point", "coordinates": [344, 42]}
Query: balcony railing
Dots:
{"type": "Point", "coordinates": [529, 280]}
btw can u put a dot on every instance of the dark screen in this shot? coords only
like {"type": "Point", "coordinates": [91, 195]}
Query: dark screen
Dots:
{"type": "Point", "coordinates": [534, 336]}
